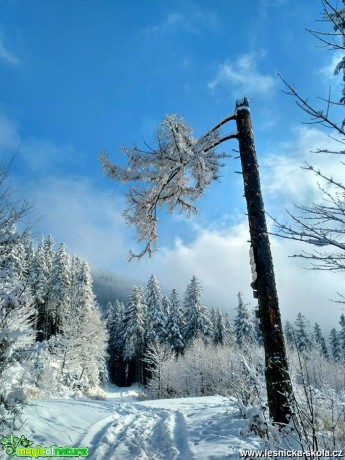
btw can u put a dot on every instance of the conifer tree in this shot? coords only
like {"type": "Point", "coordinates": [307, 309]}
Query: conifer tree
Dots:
{"type": "Point", "coordinates": [84, 337]}
{"type": "Point", "coordinates": [155, 319]}
{"type": "Point", "coordinates": [289, 334]}
{"type": "Point", "coordinates": [114, 319]}
{"type": "Point", "coordinates": [95, 352]}
{"type": "Point", "coordinates": [59, 297]}
{"type": "Point", "coordinates": [49, 251]}
{"type": "Point", "coordinates": [29, 255]}
{"type": "Point", "coordinates": [14, 255]}
{"type": "Point", "coordinates": [175, 305]}
{"type": "Point", "coordinates": [196, 319]}
{"type": "Point", "coordinates": [207, 328]}
{"type": "Point", "coordinates": [320, 341]}
{"type": "Point", "coordinates": [166, 306]}
{"type": "Point", "coordinates": [16, 304]}
{"type": "Point", "coordinates": [134, 334]}
{"type": "Point", "coordinates": [335, 346]}
{"type": "Point", "coordinates": [229, 333]}
{"type": "Point", "coordinates": [174, 324]}
{"type": "Point", "coordinates": [39, 273]}
{"type": "Point", "coordinates": [39, 281]}
{"type": "Point", "coordinates": [218, 328]}
{"type": "Point", "coordinates": [342, 335]}
{"type": "Point", "coordinates": [244, 328]}
{"type": "Point", "coordinates": [81, 295]}
{"type": "Point", "coordinates": [303, 340]}
{"type": "Point", "coordinates": [257, 329]}
{"type": "Point", "coordinates": [212, 315]}
{"type": "Point", "coordinates": [16, 316]}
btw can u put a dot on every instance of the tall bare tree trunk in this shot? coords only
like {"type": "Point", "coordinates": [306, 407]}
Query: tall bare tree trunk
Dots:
{"type": "Point", "coordinates": [278, 383]}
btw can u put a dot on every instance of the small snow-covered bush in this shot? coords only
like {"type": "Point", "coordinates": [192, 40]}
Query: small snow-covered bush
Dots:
{"type": "Point", "coordinates": [48, 375]}
{"type": "Point", "coordinates": [203, 369]}
{"type": "Point", "coordinates": [206, 369]}
{"type": "Point", "coordinates": [257, 422]}
{"type": "Point", "coordinates": [319, 387]}
{"type": "Point", "coordinates": [160, 362]}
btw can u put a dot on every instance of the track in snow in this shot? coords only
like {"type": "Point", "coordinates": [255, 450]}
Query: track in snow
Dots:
{"type": "Point", "coordinates": [123, 428]}
{"type": "Point", "coordinates": [137, 432]}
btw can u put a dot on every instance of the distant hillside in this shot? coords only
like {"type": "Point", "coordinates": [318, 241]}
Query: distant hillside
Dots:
{"type": "Point", "coordinates": [109, 286]}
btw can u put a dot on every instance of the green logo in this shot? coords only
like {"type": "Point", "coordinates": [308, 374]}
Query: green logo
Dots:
{"type": "Point", "coordinates": [22, 447]}
{"type": "Point", "coordinates": [11, 443]}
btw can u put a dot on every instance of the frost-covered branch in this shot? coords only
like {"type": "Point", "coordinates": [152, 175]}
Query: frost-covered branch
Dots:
{"type": "Point", "coordinates": [172, 176]}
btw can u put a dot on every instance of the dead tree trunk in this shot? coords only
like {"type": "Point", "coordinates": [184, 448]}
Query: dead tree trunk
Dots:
{"type": "Point", "coordinates": [278, 383]}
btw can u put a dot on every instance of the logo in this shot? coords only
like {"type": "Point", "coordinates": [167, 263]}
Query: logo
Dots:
{"type": "Point", "coordinates": [10, 444]}
{"type": "Point", "coordinates": [16, 446]}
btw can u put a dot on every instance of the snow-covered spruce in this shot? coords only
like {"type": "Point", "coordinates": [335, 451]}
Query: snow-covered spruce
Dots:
{"type": "Point", "coordinates": [134, 334]}
{"type": "Point", "coordinates": [174, 324]}
{"type": "Point", "coordinates": [196, 316]}
{"type": "Point", "coordinates": [243, 326]}
{"type": "Point", "coordinates": [155, 317]}
{"type": "Point", "coordinates": [302, 334]}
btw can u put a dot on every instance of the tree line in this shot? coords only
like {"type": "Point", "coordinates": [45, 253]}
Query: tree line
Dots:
{"type": "Point", "coordinates": [299, 336]}
{"type": "Point", "coordinates": [52, 334]}
{"type": "Point", "coordinates": [148, 317]}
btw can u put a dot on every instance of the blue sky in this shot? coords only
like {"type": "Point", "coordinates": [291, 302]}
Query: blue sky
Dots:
{"type": "Point", "coordinates": [85, 76]}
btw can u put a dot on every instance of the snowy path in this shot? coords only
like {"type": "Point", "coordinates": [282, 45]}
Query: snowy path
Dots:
{"type": "Point", "coordinates": [123, 428]}
{"type": "Point", "coordinates": [140, 433]}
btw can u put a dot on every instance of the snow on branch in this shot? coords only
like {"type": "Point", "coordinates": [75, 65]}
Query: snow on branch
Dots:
{"type": "Point", "coordinates": [173, 175]}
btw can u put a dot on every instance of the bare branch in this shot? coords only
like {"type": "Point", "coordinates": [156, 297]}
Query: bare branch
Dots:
{"type": "Point", "coordinates": [318, 116]}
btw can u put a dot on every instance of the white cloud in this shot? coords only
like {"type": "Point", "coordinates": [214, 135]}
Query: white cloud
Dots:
{"type": "Point", "coordinates": [282, 174]}
{"type": "Point", "coordinates": [328, 70]}
{"type": "Point", "coordinates": [43, 156]}
{"type": "Point", "coordinates": [334, 81]}
{"type": "Point", "coordinates": [220, 260]}
{"type": "Point", "coordinates": [243, 76]}
{"type": "Point", "coordinates": [76, 212]}
{"type": "Point", "coordinates": [6, 56]}
{"type": "Point", "coordinates": [72, 208]}
{"type": "Point", "coordinates": [39, 156]}
{"type": "Point", "coordinates": [303, 290]}
{"type": "Point", "coordinates": [174, 20]}
{"type": "Point", "coordinates": [10, 140]}
{"type": "Point", "coordinates": [193, 21]}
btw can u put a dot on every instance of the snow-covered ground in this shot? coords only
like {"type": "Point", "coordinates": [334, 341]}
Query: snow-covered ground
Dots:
{"type": "Point", "coordinates": [122, 427]}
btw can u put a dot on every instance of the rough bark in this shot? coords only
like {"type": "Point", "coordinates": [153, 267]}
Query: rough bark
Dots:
{"type": "Point", "coordinates": [278, 383]}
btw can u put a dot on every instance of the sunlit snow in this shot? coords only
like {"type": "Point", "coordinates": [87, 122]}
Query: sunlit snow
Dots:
{"type": "Point", "coordinates": [122, 427]}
